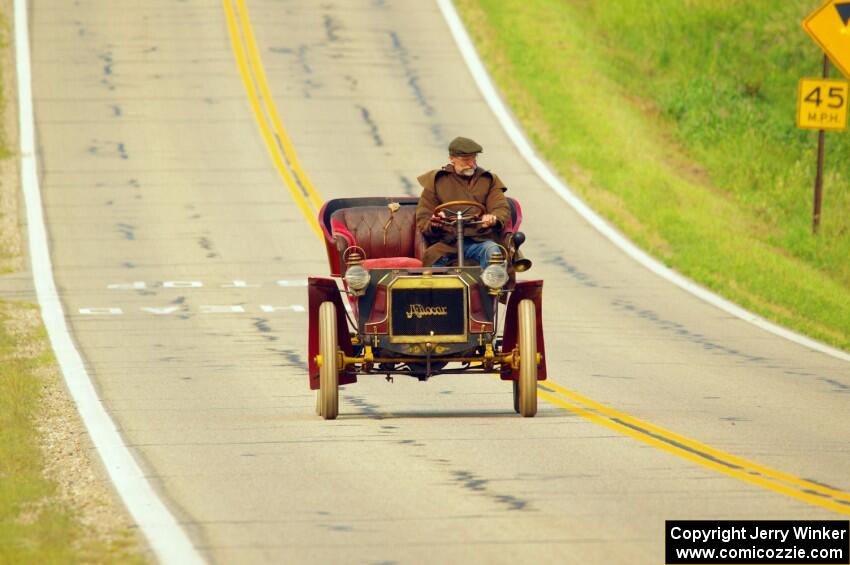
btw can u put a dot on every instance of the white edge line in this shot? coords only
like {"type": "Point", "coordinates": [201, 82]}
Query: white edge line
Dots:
{"type": "Point", "coordinates": [167, 539]}
{"type": "Point", "coordinates": [485, 85]}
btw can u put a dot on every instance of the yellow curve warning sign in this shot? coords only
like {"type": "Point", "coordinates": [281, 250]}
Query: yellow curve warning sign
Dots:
{"type": "Point", "coordinates": [822, 104]}
{"type": "Point", "coordinates": [828, 26]}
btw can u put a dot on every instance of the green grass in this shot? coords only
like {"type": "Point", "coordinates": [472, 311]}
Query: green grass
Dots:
{"type": "Point", "coordinates": [675, 120]}
{"type": "Point", "coordinates": [36, 526]}
{"type": "Point", "coordinates": [32, 528]}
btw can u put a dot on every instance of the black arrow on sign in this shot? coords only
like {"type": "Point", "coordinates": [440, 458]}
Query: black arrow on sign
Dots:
{"type": "Point", "coordinates": [844, 12]}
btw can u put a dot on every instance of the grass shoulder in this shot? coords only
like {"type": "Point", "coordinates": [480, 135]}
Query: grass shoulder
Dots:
{"type": "Point", "coordinates": [39, 521]}
{"type": "Point", "coordinates": [670, 124]}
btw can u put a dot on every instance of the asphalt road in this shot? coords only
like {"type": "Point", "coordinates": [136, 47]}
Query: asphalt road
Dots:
{"type": "Point", "coordinates": [179, 253]}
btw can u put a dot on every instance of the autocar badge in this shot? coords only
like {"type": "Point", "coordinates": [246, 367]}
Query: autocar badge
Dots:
{"type": "Point", "coordinates": [421, 311]}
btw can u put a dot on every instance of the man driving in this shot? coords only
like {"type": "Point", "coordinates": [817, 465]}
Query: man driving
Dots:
{"type": "Point", "coordinates": [461, 179]}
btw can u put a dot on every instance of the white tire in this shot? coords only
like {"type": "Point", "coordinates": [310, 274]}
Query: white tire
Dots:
{"type": "Point", "coordinates": [527, 336]}
{"type": "Point", "coordinates": [328, 398]}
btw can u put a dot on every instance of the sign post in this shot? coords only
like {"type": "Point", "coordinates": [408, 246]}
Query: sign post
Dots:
{"type": "Point", "coordinates": [822, 104]}
{"type": "Point", "coordinates": [819, 174]}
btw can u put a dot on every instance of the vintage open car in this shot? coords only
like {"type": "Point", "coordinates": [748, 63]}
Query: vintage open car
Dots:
{"type": "Point", "coordinates": [385, 314]}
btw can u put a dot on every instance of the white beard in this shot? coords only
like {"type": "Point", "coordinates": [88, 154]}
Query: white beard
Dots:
{"type": "Point", "coordinates": [467, 172]}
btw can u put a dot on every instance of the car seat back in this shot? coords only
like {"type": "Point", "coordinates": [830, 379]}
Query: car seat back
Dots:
{"type": "Point", "coordinates": [381, 231]}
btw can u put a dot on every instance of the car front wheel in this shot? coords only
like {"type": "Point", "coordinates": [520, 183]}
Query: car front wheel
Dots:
{"type": "Point", "coordinates": [527, 383]}
{"type": "Point", "coordinates": [328, 398]}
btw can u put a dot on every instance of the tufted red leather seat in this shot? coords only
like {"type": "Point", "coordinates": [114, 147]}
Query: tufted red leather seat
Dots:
{"type": "Point", "coordinates": [389, 239]}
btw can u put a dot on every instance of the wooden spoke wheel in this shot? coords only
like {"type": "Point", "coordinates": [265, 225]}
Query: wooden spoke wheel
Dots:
{"type": "Point", "coordinates": [527, 382]}
{"type": "Point", "coordinates": [328, 397]}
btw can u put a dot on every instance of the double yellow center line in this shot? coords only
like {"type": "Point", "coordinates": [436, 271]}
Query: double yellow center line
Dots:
{"type": "Point", "coordinates": [789, 485]}
{"type": "Point", "coordinates": [271, 128]}
{"type": "Point", "coordinates": [308, 201]}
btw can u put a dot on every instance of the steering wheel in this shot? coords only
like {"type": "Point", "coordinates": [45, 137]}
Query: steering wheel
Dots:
{"type": "Point", "coordinates": [466, 214]}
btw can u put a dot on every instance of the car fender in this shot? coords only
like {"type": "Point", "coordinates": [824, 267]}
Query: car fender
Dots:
{"type": "Point", "coordinates": [533, 290]}
{"type": "Point", "coordinates": [321, 289]}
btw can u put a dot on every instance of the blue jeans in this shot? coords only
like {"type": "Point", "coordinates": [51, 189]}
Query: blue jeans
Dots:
{"type": "Point", "coordinates": [478, 251]}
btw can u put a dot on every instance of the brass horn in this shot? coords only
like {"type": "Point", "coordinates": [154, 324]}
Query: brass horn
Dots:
{"type": "Point", "coordinates": [520, 263]}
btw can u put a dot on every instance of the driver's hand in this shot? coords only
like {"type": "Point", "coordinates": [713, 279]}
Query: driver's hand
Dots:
{"type": "Point", "coordinates": [488, 220]}
{"type": "Point", "coordinates": [437, 219]}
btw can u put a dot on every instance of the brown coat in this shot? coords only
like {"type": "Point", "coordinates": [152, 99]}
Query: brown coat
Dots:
{"type": "Point", "coordinates": [444, 185]}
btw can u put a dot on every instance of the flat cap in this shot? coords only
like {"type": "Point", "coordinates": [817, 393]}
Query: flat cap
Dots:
{"type": "Point", "coordinates": [464, 146]}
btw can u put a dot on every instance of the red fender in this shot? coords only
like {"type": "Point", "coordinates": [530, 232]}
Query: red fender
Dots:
{"type": "Point", "coordinates": [533, 290]}
{"type": "Point", "coordinates": [320, 289]}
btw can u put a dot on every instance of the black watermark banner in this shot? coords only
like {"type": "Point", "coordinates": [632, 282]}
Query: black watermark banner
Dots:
{"type": "Point", "coordinates": [814, 542]}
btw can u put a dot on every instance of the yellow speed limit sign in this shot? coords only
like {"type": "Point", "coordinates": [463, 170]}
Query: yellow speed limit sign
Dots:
{"type": "Point", "coordinates": [822, 104]}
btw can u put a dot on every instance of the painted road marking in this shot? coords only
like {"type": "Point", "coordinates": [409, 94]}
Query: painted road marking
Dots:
{"type": "Point", "coordinates": [158, 311]}
{"type": "Point", "coordinates": [740, 468]}
{"type": "Point", "coordinates": [211, 309]}
{"type": "Point", "coordinates": [237, 283]}
{"type": "Point", "coordinates": [277, 142]}
{"type": "Point", "coordinates": [591, 410]}
{"type": "Point", "coordinates": [203, 309]}
{"type": "Point", "coordinates": [292, 308]}
{"type": "Point", "coordinates": [136, 285]}
{"type": "Point", "coordinates": [283, 139]}
{"type": "Point", "coordinates": [101, 311]}
{"type": "Point", "coordinates": [167, 539]}
{"type": "Point", "coordinates": [182, 284]}
{"type": "Point", "coordinates": [191, 285]}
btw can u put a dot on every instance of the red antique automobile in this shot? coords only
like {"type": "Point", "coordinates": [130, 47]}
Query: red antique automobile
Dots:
{"type": "Point", "coordinates": [385, 314]}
